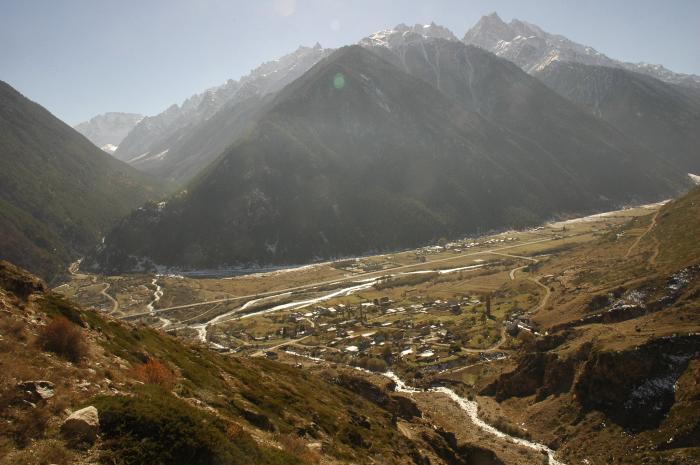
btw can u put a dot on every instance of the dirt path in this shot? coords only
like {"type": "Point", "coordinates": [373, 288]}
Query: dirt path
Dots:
{"type": "Point", "coordinates": [655, 254]}
{"type": "Point", "coordinates": [512, 272]}
{"type": "Point", "coordinates": [639, 239]}
{"type": "Point", "coordinates": [115, 304]}
{"type": "Point", "coordinates": [544, 300]}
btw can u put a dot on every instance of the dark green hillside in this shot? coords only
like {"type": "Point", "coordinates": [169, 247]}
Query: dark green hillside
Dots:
{"type": "Point", "coordinates": [357, 156]}
{"type": "Point", "coordinates": [555, 127]}
{"type": "Point", "coordinates": [659, 115]}
{"type": "Point", "coordinates": [58, 192]}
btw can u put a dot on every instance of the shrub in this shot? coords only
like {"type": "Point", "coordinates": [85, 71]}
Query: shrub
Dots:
{"type": "Point", "coordinates": [62, 337]}
{"type": "Point", "coordinates": [154, 372]}
{"type": "Point", "coordinates": [24, 425]}
{"type": "Point", "coordinates": [155, 427]}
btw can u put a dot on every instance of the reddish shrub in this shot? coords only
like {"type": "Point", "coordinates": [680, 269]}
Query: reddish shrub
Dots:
{"type": "Point", "coordinates": [63, 338]}
{"type": "Point", "coordinates": [154, 372]}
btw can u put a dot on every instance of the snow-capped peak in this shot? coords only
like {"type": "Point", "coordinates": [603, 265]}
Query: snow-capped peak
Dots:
{"type": "Point", "coordinates": [533, 49]}
{"type": "Point", "coordinates": [402, 34]}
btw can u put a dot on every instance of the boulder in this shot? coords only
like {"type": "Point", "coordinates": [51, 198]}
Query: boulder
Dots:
{"type": "Point", "coordinates": [82, 425]}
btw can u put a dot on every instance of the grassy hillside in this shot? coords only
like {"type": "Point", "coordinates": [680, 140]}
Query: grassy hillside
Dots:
{"type": "Point", "coordinates": [58, 192]}
{"type": "Point", "coordinates": [661, 116]}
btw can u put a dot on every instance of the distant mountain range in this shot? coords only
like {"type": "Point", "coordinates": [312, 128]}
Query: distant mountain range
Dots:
{"type": "Point", "coordinates": [180, 141]}
{"type": "Point", "coordinates": [410, 136]}
{"type": "Point", "coordinates": [58, 192]}
{"type": "Point", "coordinates": [357, 155]}
{"type": "Point", "coordinates": [109, 129]}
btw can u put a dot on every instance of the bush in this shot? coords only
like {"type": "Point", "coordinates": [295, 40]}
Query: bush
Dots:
{"type": "Point", "coordinates": [63, 338]}
{"type": "Point", "coordinates": [11, 326]}
{"type": "Point", "coordinates": [155, 427]}
{"type": "Point", "coordinates": [154, 372]}
{"type": "Point", "coordinates": [23, 425]}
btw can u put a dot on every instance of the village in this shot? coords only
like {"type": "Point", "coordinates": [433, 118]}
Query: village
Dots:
{"type": "Point", "coordinates": [447, 304]}
{"type": "Point", "coordinates": [408, 328]}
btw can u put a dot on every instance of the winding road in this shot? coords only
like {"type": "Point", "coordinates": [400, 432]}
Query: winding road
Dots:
{"type": "Point", "coordinates": [115, 304]}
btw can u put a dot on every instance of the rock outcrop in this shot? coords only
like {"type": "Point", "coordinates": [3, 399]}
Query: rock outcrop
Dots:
{"type": "Point", "coordinates": [636, 388]}
{"type": "Point", "coordinates": [36, 391]}
{"type": "Point", "coordinates": [82, 425]}
{"type": "Point", "coordinates": [14, 279]}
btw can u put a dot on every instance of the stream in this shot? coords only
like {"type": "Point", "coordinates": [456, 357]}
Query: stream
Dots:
{"type": "Point", "coordinates": [157, 294]}
{"type": "Point", "coordinates": [470, 407]}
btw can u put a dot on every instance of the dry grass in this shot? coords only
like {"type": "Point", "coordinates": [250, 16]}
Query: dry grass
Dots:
{"type": "Point", "coordinates": [297, 447]}
{"type": "Point", "coordinates": [41, 453]}
{"type": "Point", "coordinates": [13, 327]}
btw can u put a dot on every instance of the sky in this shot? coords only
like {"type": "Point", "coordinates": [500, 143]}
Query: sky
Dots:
{"type": "Point", "coordinates": [79, 58]}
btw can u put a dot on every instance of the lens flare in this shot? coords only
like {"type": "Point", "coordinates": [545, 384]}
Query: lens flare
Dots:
{"type": "Point", "coordinates": [339, 81]}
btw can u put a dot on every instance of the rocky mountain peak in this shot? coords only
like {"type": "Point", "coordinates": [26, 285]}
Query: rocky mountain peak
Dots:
{"type": "Point", "coordinates": [402, 34]}
{"type": "Point", "coordinates": [533, 49]}
{"type": "Point", "coordinates": [488, 31]}
{"type": "Point", "coordinates": [108, 128]}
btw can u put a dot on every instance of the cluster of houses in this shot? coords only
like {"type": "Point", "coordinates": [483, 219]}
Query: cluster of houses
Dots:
{"type": "Point", "coordinates": [518, 323]}
{"type": "Point", "coordinates": [366, 328]}
{"type": "Point", "coordinates": [358, 334]}
{"type": "Point", "coordinates": [461, 245]}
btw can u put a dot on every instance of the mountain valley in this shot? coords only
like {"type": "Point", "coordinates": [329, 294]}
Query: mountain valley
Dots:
{"type": "Point", "coordinates": [419, 247]}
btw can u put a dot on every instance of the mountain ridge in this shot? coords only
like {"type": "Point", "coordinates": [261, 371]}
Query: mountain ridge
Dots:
{"type": "Point", "coordinates": [183, 139]}
{"type": "Point", "coordinates": [58, 192]}
{"type": "Point", "coordinates": [107, 130]}
{"type": "Point", "coordinates": [351, 144]}
{"type": "Point", "coordinates": [533, 49]}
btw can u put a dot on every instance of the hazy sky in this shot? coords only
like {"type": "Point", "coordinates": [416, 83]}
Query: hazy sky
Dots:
{"type": "Point", "coordinates": [79, 58]}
